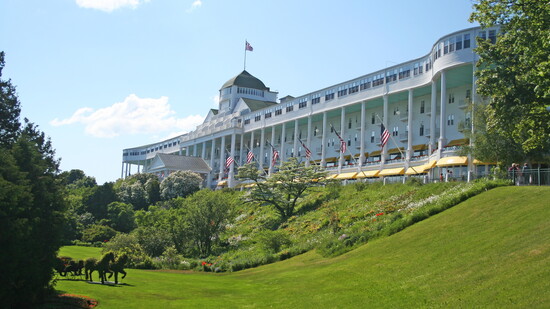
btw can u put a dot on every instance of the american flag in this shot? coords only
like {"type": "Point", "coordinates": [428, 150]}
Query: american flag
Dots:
{"type": "Point", "coordinates": [343, 144]}
{"type": "Point", "coordinates": [229, 161]}
{"type": "Point", "coordinates": [275, 156]}
{"type": "Point", "coordinates": [308, 152]}
{"type": "Point", "coordinates": [249, 157]}
{"type": "Point", "coordinates": [248, 47]}
{"type": "Point", "coordinates": [384, 136]}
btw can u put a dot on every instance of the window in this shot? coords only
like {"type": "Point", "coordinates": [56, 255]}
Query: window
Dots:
{"type": "Point", "coordinates": [396, 111]}
{"type": "Point", "coordinates": [468, 95]}
{"type": "Point", "coordinates": [349, 124]}
{"type": "Point", "coordinates": [372, 118]}
{"type": "Point", "coordinates": [428, 65]}
{"type": "Point", "coordinates": [329, 95]}
{"type": "Point", "coordinates": [421, 130]}
{"type": "Point", "coordinates": [451, 45]}
{"type": "Point", "coordinates": [258, 117]}
{"type": "Point", "coordinates": [267, 114]}
{"type": "Point", "coordinates": [278, 111]}
{"type": "Point", "coordinates": [316, 99]}
{"type": "Point", "coordinates": [458, 43]}
{"type": "Point", "coordinates": [354, 87]}
{"type": "Point", "coordinates": [365, 84]}
{"type": "Point", "coordinates": [378, 80]}
{"type": "Point", "coordinates": [482, 35]}
{"type": "Point", "coordinates": [451, 98]}
{"type": "Point", "coordinates": [422, 106]}
{"type": "Point", "coordinates": [404, 73]}
{"type": "Point", "coordinates": [493, 36]}
{"type": "Point", "coordinates": [302, 103]}
{"type": "Point", "coordinates": [450, 120]}
{"type": "Point", "coordinates": [289, 107]}
{"type": "Point", "coordinates": [342, 91]}
{"type": "Point", "coordinates": [446, 47]}
{"type": "Point", "coordinates": [395, 131]}
{"type": "Point", "coordinates": [391, 76]}
{"type": "Point", "coordinates": [315, 131]}
{"type": "Point", "coordinates": [467, 40]}
{"type": "Point", "coordinates": [372, 137]}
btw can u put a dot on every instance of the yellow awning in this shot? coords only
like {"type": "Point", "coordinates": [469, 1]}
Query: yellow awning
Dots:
{"type": "Point", "coordinates": [350, 175]}
{"type": "Point", "coordinates": [366, 174]}
{"type": "Point", "coordinates": [347, 157]}
{"type": "Point", "coordinates": [392, 171]}
{"type": "Point", "coordinates": [458, 142]}
{"type": "Point", "coordinates": [477, 162]}
{"type": "Point", "coordinates": [420, 147]}
{"type": "Point", "coordinates": [222, 183]}
{"type": "Point", "coordinates": [395, 150]}
{"type": "Point", "coordinates": [449, 161]}
{"type": "Point", "coordinates": [332, 159]}
{"type": "Point", "coordinates": [420, 168]}
{"type": "Point", "coordinates": [375, 153]}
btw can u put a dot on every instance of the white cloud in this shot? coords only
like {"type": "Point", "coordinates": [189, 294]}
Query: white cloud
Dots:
{"type": "Point", "coordinates": [132, 116]}
{"type": "Point", "coordinates": [109, 5]}
{"type": "Point", "coordinates": [195, 5]}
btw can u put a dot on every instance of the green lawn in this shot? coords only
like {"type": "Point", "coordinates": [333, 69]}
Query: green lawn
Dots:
{"type": "Point", "coordinates": [490, 251]}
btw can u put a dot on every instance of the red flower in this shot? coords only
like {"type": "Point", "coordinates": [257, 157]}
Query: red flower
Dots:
{"type": "Point", "coordinates": [203, 263]}
{"type": "Point", "coordinates": [379, 214]}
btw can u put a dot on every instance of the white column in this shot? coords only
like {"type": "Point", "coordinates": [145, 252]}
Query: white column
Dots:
{"type": "Point", "coordinates": [342, 134]}
{"type": "Point", "coordinates": [262, 146]}
{"type": "Point", "coordinates": [122, 171]}
{"type": "Point", "coordinates": [271, 152]}
{"type": "Point", "coordinates": [283, 144]}
{"type": "Point", "coordinates": [433, 115]}
{"type": "Point", "coordinates": [296, 134]}
{"type": "Point", "coordinates": [212, 155]}
{"type": "Point", "coordinates": [252, 142]}
{"type": "Point", "coordinates": [241, 150]}
{"type": "Point", "coordinates": [231, 176]}
{"type": "Point", "coordinates": [222, 159]}
{"type": "Point", "coordinates": [442, 122]}
{"type": "Point", "coordinates": [362, 141]}
{"type": "Point", "coordinates": [385, 122]}
{"type": "Point", "coordinates": [309, 138]}
{"type": "Point", "coordinates": [195, 150]}
{"type": "Point", "coordinates": [410, 124]}
{"type": "Point", "coordinates": [203, 150]}
{"type": "Point", "coordinates": [323, 141]}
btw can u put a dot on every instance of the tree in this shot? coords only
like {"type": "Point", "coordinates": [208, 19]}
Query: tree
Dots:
{"type": "Point", "coordinates": [31, 217]}
{"type": "Point", "coordinates": [9, 110]}
{"type": "Point", "coordinates": [180, 184]}
{"type": "Point", "coordinates": [284, 189]}
{"type": "Point", "coordinates": [101, 196]}
{"type": "Point", "coordinates": [121, 216]}
{"type": "Point", "coordinates": [204, 216]}
{"type": "Point", "coordinates": [514, 73]}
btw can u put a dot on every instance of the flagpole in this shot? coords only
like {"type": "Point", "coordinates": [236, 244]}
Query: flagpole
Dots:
{"type": "Point", "coordinates": [351, 155]}
{"type": "Point", "coordinates": [398, 148]}
{"type": "Point", "coordinates": [245, 54]}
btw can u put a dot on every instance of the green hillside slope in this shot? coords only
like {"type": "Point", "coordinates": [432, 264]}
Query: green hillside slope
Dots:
{"type": "Point", "coordinates": [491, 251]}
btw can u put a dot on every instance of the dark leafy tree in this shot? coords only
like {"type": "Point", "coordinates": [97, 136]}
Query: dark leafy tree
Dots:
{"type": "Point", "coordinates": [284, 189]}
{"type": "Point", "coordinates": [514, 73]}
{"type": "Point", "coordinates": [9, 110]}
{"type": "Point", "coordinates": [96, 203]}
{"type": "Point", "coordinates": [96, 232]}
{"type": "Point", "coordinates": [204, 216]}
{"type": "Point", "coordinates": [31, 217]}
{"type": "Point", "coordinates": [121, 216]}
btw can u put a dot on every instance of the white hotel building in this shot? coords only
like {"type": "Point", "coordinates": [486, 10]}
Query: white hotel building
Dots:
{"type": "Point", "coordinates": [426, 104]}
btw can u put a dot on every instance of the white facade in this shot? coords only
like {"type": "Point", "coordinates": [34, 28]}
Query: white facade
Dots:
{"type": "Point", "coordinates": [424, 103]}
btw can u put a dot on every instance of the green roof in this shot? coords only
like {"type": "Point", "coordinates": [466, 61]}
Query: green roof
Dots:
{"type": "Point", "coordinates": [214, 111]}
{"type": "Point", "coordinates": [244, 79]}
{"type": "Point", "coordinates": [255, 105]}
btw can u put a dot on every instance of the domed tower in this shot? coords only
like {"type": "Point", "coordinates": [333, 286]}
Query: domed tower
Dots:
{"type": "Point", "coordinates": [243, 85]}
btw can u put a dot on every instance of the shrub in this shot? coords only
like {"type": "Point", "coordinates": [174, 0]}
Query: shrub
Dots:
{"type": "Point", "coordinates": [98, 233]}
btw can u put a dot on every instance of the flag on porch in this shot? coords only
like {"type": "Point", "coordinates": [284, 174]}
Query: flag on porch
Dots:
{"type": "Point", "coordinates": [384, 136]}
{"type": "Point", "coordinates": [249, 157]}
{"type": "Point", "coordinates": [229, 161]}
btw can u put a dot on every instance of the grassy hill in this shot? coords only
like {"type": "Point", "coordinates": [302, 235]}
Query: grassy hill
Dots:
{"type": "Point", "coordinates": [492, 250]}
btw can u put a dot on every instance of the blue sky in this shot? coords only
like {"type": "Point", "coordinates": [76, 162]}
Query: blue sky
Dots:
{"type": "Point", "coordinates": [99, 76]}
